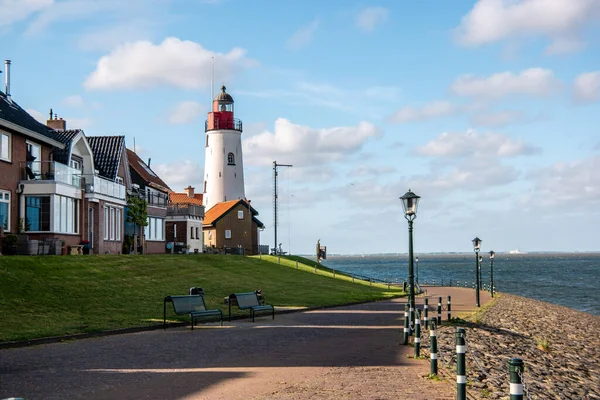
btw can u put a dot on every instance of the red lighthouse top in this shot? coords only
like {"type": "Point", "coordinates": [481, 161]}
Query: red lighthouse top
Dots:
{"type": "Point", "coordinates": [221, 116]}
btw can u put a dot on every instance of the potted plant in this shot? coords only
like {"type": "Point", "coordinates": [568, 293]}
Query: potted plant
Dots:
{"type": "Point", "coordinates": [187, 249]}
{"type": "Point", "coordinates": [86, 246]}
{"type": "Point", "coordinates": [9, 244]}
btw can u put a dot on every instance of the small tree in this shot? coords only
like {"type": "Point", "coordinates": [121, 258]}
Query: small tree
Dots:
{"type": "Point", "coordinates": [138, 214]}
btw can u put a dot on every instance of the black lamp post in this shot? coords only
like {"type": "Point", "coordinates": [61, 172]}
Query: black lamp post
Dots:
{"type": "Point", "coordinates": [417, 260]}
{"type": "Point", "coordinates": [476, 247]}
{"type": "Point", "coordinates": [479, 272]}
{"type": "Point", "coordinates": [409, 203]}
{"type": "Point", "coordinates": [492, 254]}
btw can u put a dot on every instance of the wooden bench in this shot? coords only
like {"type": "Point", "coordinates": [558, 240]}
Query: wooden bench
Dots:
{"type": "Point", "coordinates": [249, 301]}
{"type": "Point", "coordinates": [192, 305]}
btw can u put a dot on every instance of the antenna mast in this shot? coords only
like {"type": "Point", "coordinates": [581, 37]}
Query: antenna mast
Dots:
{"type": "Point", "coordinates": [275, 195]}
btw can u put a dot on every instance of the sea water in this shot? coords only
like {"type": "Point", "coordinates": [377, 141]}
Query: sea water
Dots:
{"type": "Point", "coordinates": [571, 279]}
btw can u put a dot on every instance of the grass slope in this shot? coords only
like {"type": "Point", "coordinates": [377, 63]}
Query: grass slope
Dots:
{"type": "Point", "coordinates": [43, 296]}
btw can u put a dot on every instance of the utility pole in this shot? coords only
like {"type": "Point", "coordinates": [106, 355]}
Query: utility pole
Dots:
{"type": "Point", "coordinates": [275, 165]}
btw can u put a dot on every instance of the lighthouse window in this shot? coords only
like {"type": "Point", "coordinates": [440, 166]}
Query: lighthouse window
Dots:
{"type": "Point", "coordinates": [230, 159]}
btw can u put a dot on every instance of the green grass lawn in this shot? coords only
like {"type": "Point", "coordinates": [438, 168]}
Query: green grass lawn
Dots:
{"type": "Point", "coordinates": [43, 296]}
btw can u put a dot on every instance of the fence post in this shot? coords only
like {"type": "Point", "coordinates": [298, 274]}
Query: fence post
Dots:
{"type": "Point", "coordinates": [461, 375]}
{"type": "Point", "coordinates": [405, 324]}
{"type": "Point", "coordinates": [439, 317]}
{"type": "Point", "coordinates": [426, 312]}
{"type": "Point", "coordinates": [417, 334]}
{"type": "Point", "coordinates": [449, 313]}
{"type": "Point", "coordinates": [433, 347]}
{"type": "Point", "coordinates": [515, 369]}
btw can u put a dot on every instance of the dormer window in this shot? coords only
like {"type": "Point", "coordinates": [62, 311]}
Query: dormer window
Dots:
{"type": "Point", "coordinates": [230, 159]}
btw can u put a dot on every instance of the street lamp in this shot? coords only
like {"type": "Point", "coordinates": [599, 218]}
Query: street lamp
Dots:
{"type": "Point", "coordinates": [492, 254]}
{"type": "Point", "coordinates": [476, 247]}
{"type": "Point", "coordinates": [409, 203]}
{"type": "Point", "coordinates": [417, 260]}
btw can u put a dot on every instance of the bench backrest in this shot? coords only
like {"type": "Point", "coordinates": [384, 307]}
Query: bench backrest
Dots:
{"type": "Point", "coordinates": [188, 304]}
{"type": "Point", "coordinates": [246, 300]}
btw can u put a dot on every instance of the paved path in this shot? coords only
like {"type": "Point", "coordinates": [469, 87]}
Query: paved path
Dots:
{"type": "Point", "coordinates": [345, 352]}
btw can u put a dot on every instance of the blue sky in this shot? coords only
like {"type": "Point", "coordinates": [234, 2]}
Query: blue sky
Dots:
{"type": "Point", "coordinates": [489, 110]}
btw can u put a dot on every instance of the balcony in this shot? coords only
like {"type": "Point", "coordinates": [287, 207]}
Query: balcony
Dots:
{"type": "Point", "coordinates": [234, 125]}
{"type": "Point", "coordinates": [189, 210]}
{"type": "Point", "coordinates": [99, 185]}
{"type": "Point", "coordinates": [50, 171]}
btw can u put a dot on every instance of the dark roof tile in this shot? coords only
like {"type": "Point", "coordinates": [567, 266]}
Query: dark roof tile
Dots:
{"type": "Point", "coordinates": [143, 170]}
{"type": "Point", "coordinates": [107, 154]}
{"type": "Point", "coordinates": [12, 112]}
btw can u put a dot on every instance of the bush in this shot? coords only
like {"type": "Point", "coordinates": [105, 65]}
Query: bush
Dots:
{"type": "Point", "coordinates": [9, 244]}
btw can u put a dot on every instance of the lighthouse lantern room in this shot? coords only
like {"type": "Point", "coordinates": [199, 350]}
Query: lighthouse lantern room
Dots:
{"type": "Point", "coordinates": [223, 164]}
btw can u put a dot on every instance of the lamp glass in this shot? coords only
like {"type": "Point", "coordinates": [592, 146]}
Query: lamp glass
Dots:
{"type": "Point", "coordinates": [476, 244]}
{"type": "Point", "coordinates": [410, 201]}
{"type": "Point", "coordinates": [492, 254]}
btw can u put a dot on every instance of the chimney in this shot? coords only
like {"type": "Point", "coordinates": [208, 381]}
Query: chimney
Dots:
{"type": "Point", "coordinates": [56, 124]}
{"type": "Point", "coordinates": [189, 191]}
{"type": "Point", "coordinates": [149, 159]}
{"type": "Point", "coordinates": [7, 79]}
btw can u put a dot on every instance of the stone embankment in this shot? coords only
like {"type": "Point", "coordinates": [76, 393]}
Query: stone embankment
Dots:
{"type": "Point", "coordinates": [559, 346]}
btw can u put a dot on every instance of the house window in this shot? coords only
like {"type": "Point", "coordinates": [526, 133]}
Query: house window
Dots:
{"type": "Point", "coordinates": [112, 223]}
{"type": "Point", "coordinates": [66, 214]}
{"type": "Point", "coordinates": [191, 232]}
{"type": "Point", "coordinates": [228, 234]}
{"type": "Point", "coordinates": [197, 234]}
{"type": "Point", "coordinates": [75, 164]}
{"type": "Point", "coordinates": [119, 180]}
{"type": "Point", "coordinates": [34, 158]}
{"type": "Point", "coordinates": [155, 230]}
{"type": "Point", "coordinates": [240, 214]}
{"type": "Point", "coordinates": [5, 210]}
{"type": "Point", "coordinates": [5, 146]}
{"type": "Point", "coordinates": [230, 159]}
{"type": "Point", "coordinates": [37, 213]}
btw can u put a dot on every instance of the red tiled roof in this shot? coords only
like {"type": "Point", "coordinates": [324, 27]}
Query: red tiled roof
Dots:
{"type": "Point", "coordinates": [183, 198]}
{"type": "Point", "coordinates": [219, 210]}
{"type": "Point", "coordinates": [139, 166]}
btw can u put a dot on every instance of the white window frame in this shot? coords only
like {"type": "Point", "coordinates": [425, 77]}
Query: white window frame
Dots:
{"type": "Point", "coordinates": [76, 164]}
{"type": "Point", "coordinates": [112, 223]}
{"type": "Point", "coordinates": [3, 199]}
{"type": "Point", "coordinates": [227, 233]}
{"type": "Point", "coordinates": [8, 145]}
{"type": "Point", "coordinates": [240, 214]}
{"type": "Point", "coordinates": [36, 166]}
{"type": "Point", "coordinates": [155, 230]}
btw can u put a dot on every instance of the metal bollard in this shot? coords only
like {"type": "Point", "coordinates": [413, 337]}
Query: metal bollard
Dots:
{"type": "Point", "coordinates": [461, 375]}
{"type": "Point", "coordinates": [433, 348]}
{"type": "Point", "coordinates": [405, 324]}
{"type": "Point", "coordinates": [515, 369]}
{"type": "Point", "coordinates": [426, 312]}
{"type": "Point", "coordinates": [417, 334]}
{"type": "Point", "coordinates": [411, 317]}
{"type": "Point", "coordinates": [449, 313]}
{"type": "Point", "coordinates": [439, 317]}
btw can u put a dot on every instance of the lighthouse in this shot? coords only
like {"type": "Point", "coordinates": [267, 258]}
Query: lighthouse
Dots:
{"type": "Point", "coordinates": [223, 163]}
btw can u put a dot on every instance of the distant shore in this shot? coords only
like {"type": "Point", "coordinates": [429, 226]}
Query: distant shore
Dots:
{"type": "Point", "coordinates": [558, 345]}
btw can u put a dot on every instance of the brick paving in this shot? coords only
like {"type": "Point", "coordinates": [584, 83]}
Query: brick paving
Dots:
{"type": "Point", "coordinates": [335, 353]}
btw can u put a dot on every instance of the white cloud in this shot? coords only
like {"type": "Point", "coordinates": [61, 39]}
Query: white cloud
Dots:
{"type": "Point", "coordinates": [37, 115]}
{"type": "Point", "coordinates": [180, 63]}
{"type": "Point", "coordinates": [185, 112]}
{"type": "Point", "coordinates": [368, 171]}
{"type": "Point", "coordinates": [472, 143]}
{"type": "Point", "coordinates": [304, 146]}
{"type": "Point", "coordinates": [180, 174]}
{"type": "Point", "coordinates": [575, 184]}
{"type": "Point", "coordinates": [497, 119]}
{"type": "Point", "coordinates": [12, 11]}
{"type": "Point", "coordinates": [303, 36]}
{"type": "Point", "coordinates": [73, 101]}
{"type": "Point", "coordinates": [533, 81]}
{"type": "Point", "coordinates": [586, 88]}
{"type": "Point", "coordinates": [559, 20]}
{"type": "Point", "coordinates": [423, 113]}
{"type": "Point", "coordinates": [368, 18]}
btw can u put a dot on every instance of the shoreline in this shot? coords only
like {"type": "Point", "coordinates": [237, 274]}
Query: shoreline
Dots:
{"type": "Point", "coordinates": [558, 345]}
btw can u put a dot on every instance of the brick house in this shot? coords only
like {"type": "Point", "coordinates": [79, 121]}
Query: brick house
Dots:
{"type": "Point", "coordinates": [146, 184]}
{"type": "Point", "coordinates": [232, 226]}
{"type": "Point", "coordinates": [106, 194]}
{"type": "Point", "coordinates": [185, 215]}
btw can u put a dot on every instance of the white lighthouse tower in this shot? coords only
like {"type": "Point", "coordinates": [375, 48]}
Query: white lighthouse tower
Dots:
{"type": "Point", "coordinates": [223, 163]}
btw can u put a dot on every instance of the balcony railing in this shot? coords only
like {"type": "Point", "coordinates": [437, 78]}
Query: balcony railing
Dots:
{"type": "Point", "coordinates": [106, 187]}
{"type": "Point", "coordinates": [234, 124]}
{"type": "Point", "coordinates": [192, 210]}
{"type": "Point", "coordinates": [50, 171]}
